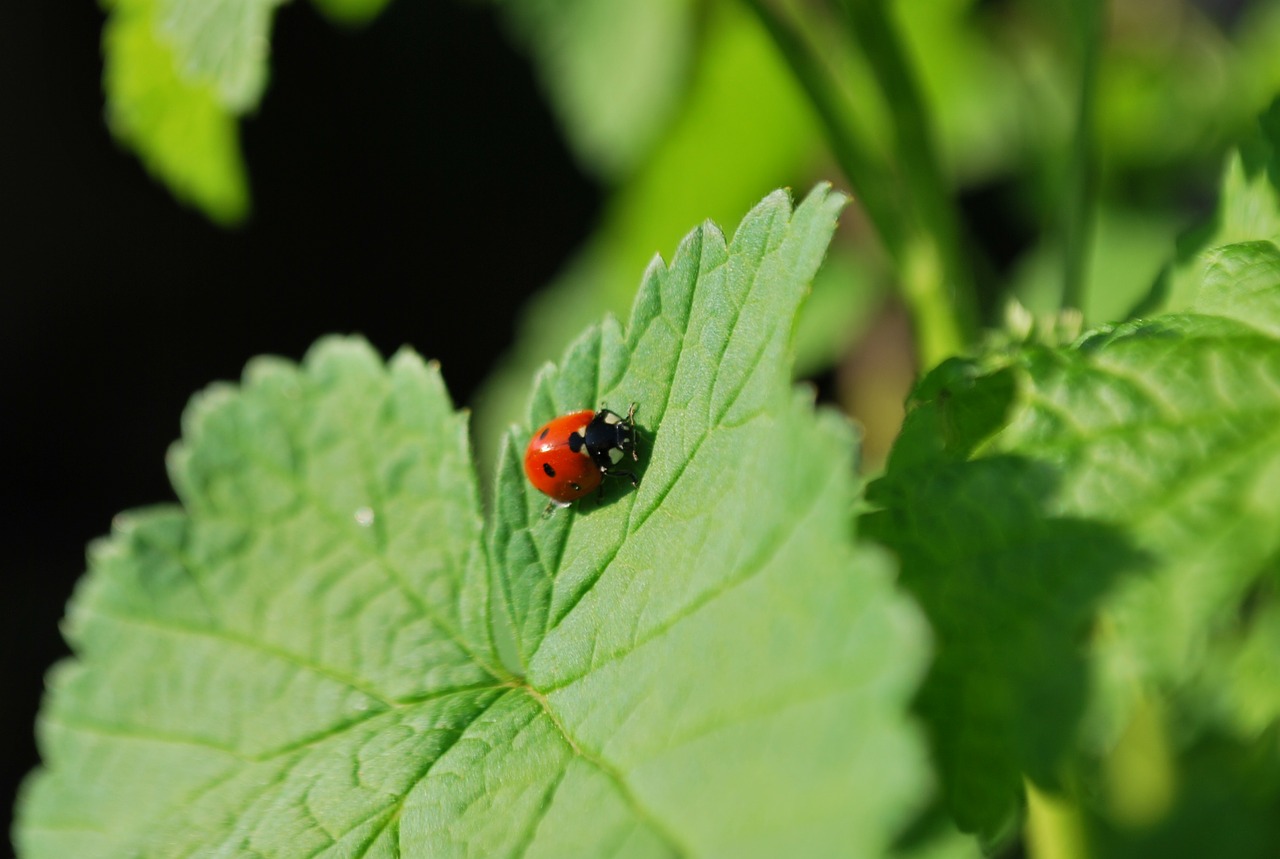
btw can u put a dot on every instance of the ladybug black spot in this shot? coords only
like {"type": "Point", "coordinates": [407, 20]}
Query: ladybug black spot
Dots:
{"type": "Point", "coordinates": [548, 470]}
{"type": "Point", "coordinates": [543, 435]}
{"type": "Point", "coordinates": [575, 442]}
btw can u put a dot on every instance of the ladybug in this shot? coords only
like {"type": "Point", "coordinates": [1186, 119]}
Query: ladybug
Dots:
{"type": "Point", "coordinates": [571, 455]}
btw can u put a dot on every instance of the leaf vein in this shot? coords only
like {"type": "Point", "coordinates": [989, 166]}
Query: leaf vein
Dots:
{"type": "Point", "coordinates": [342, 527]}
{"type": "Point", "coordinates": [604, 768]}
{"type": "Point", "coordinates": [220, 634]}
{"type": "Point", "coordinates": [752, 567]}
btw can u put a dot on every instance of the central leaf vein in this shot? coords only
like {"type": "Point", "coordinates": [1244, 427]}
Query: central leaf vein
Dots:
{"type": "Point", "coordinates": [604, 768]}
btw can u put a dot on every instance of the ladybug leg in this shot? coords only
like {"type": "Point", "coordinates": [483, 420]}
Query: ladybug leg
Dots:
{"type": "Point", "coordinates": [627, 474]}
{"type": "Point", "coordinates": [631, 422]}
{"type": "Point", "coordinates": [552, 506]}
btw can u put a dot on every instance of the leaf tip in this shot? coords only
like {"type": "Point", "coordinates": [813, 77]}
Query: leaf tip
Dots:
{"type": "Point", "coordinates": [333, 348]}
{"type": "Point", "coordinates": [655, 270]}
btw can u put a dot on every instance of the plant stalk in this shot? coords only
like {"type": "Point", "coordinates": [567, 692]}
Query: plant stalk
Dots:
{"type": "Point", "coordinates": [868, 176]}
{"type": "Point", "coordinates": [916, 219]}
{"type": "Point", "coordinates": [1078, 206]}
{"type": "Point", "coordinates": [1054, 827]}
{"type": "Point", "coordinates": [944, 279]}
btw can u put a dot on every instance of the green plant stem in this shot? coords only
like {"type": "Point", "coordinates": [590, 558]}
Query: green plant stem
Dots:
{"type": "Point", "coordinates": [917, 224]}
{"type": "Point", "coordinates": [940, 266]}
{"type": "Point", "coordinates": [1054, 827]}
{"type": "Point", "coordinates": [868, 176]}
{"type": "Point", "coordinates": [1082, 162]}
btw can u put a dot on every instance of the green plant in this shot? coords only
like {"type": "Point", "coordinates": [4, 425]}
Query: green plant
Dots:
{"type": "Point", "coordinates": [333, 647]}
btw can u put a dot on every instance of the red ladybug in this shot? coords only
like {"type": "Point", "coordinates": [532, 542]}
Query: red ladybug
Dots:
{"type": "Point", "coordinates": [570, 455]}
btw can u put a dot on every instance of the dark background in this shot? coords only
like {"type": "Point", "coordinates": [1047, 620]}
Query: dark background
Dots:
{"type": "Point", "coordinates": [409, 184]}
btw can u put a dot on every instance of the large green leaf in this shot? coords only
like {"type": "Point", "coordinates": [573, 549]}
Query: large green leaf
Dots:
{"type": "Point", "coordinates": [1124, 490]}
{"type": "Point", "coordinates": [326, 653]}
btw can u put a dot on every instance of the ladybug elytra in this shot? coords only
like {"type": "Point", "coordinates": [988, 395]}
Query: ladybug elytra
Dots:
{"type": "Point", "coordinates": [571, 455]}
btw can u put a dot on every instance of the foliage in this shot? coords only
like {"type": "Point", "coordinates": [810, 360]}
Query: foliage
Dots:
{"type": "Point", "coordinates": [334, 647]}
{"type": "Point", "coordinates": [329, 651]}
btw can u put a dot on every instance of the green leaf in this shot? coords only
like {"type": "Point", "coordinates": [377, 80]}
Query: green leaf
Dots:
{"type": "Point", "coordinates": [183, 131]}
{"type": "Point", "coordinates": [222, 42]}
{"type": "Point", "coordinates": [614, 71]}
{"type": "Point", "coordinates": [327, 653]}
{"type": "Point", "coordinates": [178, 75]}
{"type": "Point", "coordinates": [741, 91]}
{"type": "Point", "coordinates": [1123, 491]}
{"type": "Point", "coordinates": [1248, 210]}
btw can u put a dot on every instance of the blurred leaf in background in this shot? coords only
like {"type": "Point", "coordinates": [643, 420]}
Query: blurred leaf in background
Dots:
{"type": "Point", "coordinates": [178, 76]}
{"type": "Point", "coordinates": [614, 71]}
{"type": "Point", "coordinates": [177, 123]}
{"type": "Point", "coordinates": [1091, 530]}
